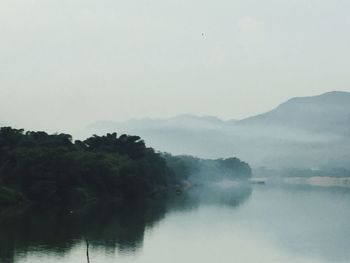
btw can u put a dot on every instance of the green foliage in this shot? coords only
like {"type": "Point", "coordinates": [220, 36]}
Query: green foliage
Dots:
{"type": "Point", "coordinates": [10, 197]}
{"type": "Point", "coordinates": [187, 167]}
{"type": "Point", "coordinates": [181, 166]}
{"type": "Point", "coordinates": [234, 167]}
{"type": "Point", "coordinates": [53, 169]}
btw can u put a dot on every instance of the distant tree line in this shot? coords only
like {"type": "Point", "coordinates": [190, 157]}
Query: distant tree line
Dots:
{"type": "Point", "coordinates": [54, 169]}
{"type": "Point", "coordinates": [187, 167]}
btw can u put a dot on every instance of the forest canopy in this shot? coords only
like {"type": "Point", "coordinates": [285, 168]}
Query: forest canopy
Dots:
{"type": "Point", "coordinates": [43, 168]}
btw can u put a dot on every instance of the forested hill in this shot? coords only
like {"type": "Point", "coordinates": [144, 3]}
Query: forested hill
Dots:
{"type": "Point", "coordinates": [301, 133]}
{"type": "Point", "coordinates": [42, 168]}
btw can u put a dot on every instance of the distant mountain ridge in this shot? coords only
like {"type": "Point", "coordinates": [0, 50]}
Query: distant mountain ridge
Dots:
{"type": "Point", "coordinates": [328, 112]}
{"type": "Point", "coordinates": [183, 120]}
{"type": "Point", "coordinates": [301, 132]}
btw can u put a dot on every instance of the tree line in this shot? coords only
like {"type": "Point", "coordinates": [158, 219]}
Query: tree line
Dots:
{"type": "Point", "coordinates": [52, 168]}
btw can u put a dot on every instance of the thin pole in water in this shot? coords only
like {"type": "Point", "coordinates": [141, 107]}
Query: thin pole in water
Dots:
{"type": "Point", "coordinates": [87, 250]}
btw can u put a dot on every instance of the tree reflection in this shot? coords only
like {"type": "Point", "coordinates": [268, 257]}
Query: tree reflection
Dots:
{"type": "Point", "coordinates": [108, 226]}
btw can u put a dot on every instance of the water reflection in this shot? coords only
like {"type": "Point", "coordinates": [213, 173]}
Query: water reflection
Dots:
{"type": "Point", "coordinates": [57, 230]}
{"type": "Point", "coordinates": [111, 227]}
{"type": "Point", "coordinates": [211, 194]}
{"type": "Point", "coordinates": [277, 223]}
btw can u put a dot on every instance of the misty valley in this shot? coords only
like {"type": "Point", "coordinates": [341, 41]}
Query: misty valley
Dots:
{"type": "Point", "coordinates": [183, 194]}
{"type": "Point", "coordinates": [174, 131]}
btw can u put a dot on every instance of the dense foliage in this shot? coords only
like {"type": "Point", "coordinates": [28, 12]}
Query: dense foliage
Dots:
{"type": "Point", "coordinates": [40, 167]}
{"type": "Point", "coordinates": [203, 170]}
{"type": "Point", "coordinates": [43, 168]}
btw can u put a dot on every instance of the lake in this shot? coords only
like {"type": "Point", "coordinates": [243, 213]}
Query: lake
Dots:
{"type": "Point", "coordinates": [217, 223]}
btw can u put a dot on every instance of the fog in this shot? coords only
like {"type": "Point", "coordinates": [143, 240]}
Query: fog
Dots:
{"type": "Point", "coordinates": [65, 64]}
{"type": "Point", "coordinates": [304, 133]}
{"type": "Point", "coordinates": [270, 147]}
{"type": "Point", "coordinates": [201, 82]}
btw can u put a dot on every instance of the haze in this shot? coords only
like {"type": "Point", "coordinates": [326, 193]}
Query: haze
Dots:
{"type": "Point", "coordinates": [64, 64]}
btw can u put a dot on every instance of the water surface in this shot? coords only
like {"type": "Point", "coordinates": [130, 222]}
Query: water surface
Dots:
{"type": "Point", "coordinates": [290, 223]}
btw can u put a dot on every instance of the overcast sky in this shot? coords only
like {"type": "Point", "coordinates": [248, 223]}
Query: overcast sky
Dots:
{"type": "Point", "coordinates": [66, 63]}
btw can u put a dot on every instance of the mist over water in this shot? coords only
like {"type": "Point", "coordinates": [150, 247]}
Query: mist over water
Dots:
{"type": "Point", "coordinates": [220, 222]}
{"type": "Point", "coordinates": [174, 131]}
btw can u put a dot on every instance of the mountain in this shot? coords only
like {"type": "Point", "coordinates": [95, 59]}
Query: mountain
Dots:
{"type": "Point", "coordinates": [185, 121]}
{"type": "Point", "coordinates": [305, 132]}
{"type": "Point", "coordinates": [326, 113]}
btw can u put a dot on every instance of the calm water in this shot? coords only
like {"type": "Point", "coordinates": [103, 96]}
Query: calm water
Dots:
{"type": "Point", "coordinates": [222, 223]}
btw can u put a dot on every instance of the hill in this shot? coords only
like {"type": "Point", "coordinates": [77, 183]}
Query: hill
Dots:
{"type": "Point", "coordinates": [326, 113]}
{"type": "Point", "coordinates": [305, 132]}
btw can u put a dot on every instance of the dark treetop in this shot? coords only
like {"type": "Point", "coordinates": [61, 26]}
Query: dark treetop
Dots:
{"type": "Point", "coordinates": [36, 167]}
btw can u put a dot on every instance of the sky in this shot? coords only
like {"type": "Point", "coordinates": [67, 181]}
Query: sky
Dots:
{"type": "Point", "coordinates": [67, 63]}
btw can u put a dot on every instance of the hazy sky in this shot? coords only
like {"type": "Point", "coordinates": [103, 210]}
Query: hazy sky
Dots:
{"type": "Point", "coordinates": [66, 63]}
